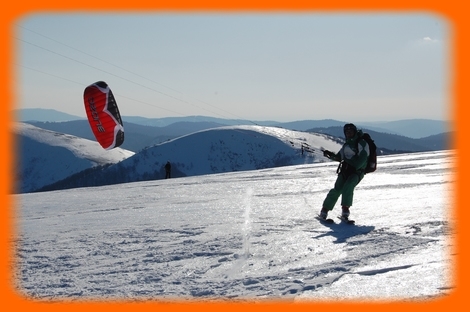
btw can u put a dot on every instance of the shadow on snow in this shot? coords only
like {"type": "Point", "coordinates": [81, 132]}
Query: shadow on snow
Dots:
{"type": "Point", "coordinates": [342, 231]}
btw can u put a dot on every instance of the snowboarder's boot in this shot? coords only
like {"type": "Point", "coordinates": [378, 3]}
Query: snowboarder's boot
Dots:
{"type": "Point", "coordinates": [323, 213]}
{"type": "Point", "coordinates": [345, 213]}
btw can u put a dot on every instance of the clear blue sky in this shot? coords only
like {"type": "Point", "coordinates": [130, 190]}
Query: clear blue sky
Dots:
{"type": "Point", "coordinates": [256, 66]}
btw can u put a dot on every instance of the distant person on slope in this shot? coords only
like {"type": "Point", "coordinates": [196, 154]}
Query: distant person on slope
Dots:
{"type": "Point", "coordinates": [168, 170]}
{"type": "Point", "coordinates": [353, 160]}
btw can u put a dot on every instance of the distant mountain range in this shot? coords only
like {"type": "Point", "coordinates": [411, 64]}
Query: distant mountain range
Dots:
{"type": "Point", "coordinates": [141, 132]}
{"type": "Point", "coordinates": [412, 128]}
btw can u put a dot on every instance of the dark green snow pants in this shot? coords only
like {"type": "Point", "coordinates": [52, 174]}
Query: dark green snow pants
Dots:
{"type": "Point", "coordinates": [344, 186]}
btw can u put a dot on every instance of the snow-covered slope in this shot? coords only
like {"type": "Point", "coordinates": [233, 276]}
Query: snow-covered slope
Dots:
{"type": "Point", "coordinates": [248, 235]}
{"type": "Point", "coordinates": [217, 150]}
{"type": "Point", "coordinates": [229, 149]}
{"type": "Point", "coordinates": [45, 157]}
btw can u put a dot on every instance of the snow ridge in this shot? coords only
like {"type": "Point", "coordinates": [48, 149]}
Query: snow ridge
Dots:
{"type": "Point", "coordinates": [47, 156]}
{"type": "Point", "coordinates": [230, 149]}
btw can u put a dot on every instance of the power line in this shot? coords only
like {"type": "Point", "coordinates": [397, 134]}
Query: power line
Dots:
{"type": "Point", "coordinates": [131, 72]}
{"type": "Point", "coordinates": [81, 84]}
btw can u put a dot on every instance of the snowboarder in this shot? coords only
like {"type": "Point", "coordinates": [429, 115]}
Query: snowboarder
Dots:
{"type": "Point", "coordinates": [353, 160]}
{"type": "Point", "coordinates": [168, 170]}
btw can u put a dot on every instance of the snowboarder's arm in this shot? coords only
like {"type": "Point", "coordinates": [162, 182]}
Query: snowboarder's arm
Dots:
{"type": "Point", "coordinates": [332, 156]}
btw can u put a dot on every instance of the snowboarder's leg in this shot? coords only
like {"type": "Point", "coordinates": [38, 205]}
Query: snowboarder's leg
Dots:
{"type": "Point", "coordinates": [334, 193]}
{"type": "Point", "coordinates": [348, 190]}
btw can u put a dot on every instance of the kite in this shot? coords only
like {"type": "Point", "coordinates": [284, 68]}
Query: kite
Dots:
{"type": "Point", "coordinates": [103, 115]}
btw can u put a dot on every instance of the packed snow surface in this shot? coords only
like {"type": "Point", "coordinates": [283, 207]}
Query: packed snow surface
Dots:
{"type": "Point", "coordinates": [248, 235]}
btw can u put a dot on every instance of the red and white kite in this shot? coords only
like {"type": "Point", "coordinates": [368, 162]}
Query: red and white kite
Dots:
{"type": "Point", "coordinates": [103, 115]}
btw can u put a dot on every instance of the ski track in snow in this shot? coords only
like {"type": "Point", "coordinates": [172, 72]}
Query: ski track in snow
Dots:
{"type": "Point", "coordinates": [242, 236]}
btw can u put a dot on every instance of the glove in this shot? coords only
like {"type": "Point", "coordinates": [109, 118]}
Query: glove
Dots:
{"type": "Point", "coordinates": [328, 154]}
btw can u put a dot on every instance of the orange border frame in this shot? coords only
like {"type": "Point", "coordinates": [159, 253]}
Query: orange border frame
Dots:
{"type": "Point", "coordinates": [459, 21]}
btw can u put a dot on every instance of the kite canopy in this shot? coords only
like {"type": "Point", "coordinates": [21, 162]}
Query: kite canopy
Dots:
{"type": "Point", "coordinates": [103, 115]}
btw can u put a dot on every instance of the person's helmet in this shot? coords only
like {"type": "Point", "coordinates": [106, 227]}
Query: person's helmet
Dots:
{"type": "Point", "coordinates": [349, 126]}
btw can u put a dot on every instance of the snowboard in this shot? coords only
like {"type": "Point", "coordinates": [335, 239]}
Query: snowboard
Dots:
{"type": "Point", "coordinates": [346, 220]}
{"type": "Point", "coordinates": [329, 221]}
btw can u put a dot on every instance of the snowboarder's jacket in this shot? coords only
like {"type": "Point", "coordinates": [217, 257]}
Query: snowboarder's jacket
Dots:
{"type": "Point", "coordinates": [352, 156]}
